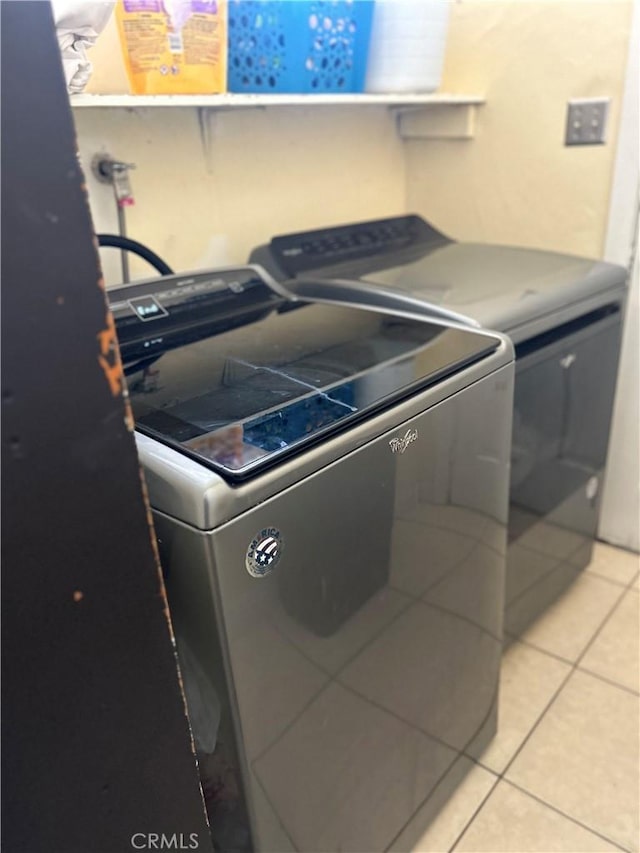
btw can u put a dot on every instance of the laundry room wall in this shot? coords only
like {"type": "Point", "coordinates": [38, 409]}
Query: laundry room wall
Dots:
{"type": "Point", "coordinates": [266, 171]}
{"type": "Point", "coordinates": [281, 169]}
{"type": "Point", "coordinates": [516, 182]}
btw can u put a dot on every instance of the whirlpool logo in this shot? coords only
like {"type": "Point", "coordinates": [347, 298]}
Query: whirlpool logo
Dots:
{"type": "Point", "coordinates": [399, 445]}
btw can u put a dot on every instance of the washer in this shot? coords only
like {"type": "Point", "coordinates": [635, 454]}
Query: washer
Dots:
{"type": "Point", "coordinates": [564, 315]}
{"type": "Point", "coordinates": [330, 489]}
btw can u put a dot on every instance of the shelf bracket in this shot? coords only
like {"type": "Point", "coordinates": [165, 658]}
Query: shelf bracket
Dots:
{"type": "Point", "coordinates": [206, 131]}
{"type": "Point", "coordinates": [436, 121]}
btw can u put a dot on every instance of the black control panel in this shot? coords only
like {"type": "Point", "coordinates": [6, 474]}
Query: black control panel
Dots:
{"type": "Point", "coordinates": [154, 315]}
{"type": "Point", "coordinates": [299, 253]}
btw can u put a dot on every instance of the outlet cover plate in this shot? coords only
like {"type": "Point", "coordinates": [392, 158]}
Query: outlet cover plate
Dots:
{"type": "Point", "coordinates": [587, 121]}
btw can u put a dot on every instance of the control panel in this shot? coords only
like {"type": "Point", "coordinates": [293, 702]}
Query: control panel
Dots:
{"type": "Point", "coordinates": [298, 253]}
{"type": "Point", "coordinates": [161, 313]}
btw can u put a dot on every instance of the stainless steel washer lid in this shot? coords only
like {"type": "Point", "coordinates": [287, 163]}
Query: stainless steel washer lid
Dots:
{"type": "Point", "coordinates": [500, 287]}
{"type": "Point", "coordinates": [238, 377]}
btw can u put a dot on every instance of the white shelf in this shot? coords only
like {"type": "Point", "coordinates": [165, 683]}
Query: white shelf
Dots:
{"type": "Point", "coordinates": [230, 101]}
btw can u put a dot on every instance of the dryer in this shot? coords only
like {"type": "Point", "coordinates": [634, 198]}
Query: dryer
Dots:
{"type": "Point", "coordinates": [564, 315]}
{"type": "Point", "coordinates": [329, 489]}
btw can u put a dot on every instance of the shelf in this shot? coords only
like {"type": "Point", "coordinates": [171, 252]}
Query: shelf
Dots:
{"type": "Point", "coordinates": [418, 116]}
{"type": "Point", "coordinates": [230, 101]}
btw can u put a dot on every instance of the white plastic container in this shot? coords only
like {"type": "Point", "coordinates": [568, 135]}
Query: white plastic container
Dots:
{"type": "Point", "coordinates": [407, 45]}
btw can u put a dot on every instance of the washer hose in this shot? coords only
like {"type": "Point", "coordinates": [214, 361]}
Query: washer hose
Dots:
{"type": "Point", "coordinates": [126, 244]}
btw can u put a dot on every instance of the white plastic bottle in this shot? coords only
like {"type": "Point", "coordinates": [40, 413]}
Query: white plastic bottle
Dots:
{"type": "Point", "coordinates": [406, 51]}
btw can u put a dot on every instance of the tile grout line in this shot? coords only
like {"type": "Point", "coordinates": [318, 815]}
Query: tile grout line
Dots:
{"type": "Point", "coordinates": [546, 652]}
{"type": "Point", "coordinates": [276, 813]}
{"type": "Point", "coordinates": [416, 728]}
{"type": "Point", "coordinates": [581, 573]}
{"type": "Point", "coordinates": [573, 667]}
{"type": "Point", "coordinates": [598, 632]}
{"type": "Point", "coordinates": [500, 777]}
{"type": "Point", "coordinates": [625, 584]}
{"type": "Point", "coordinates": [565, 815]}
{"type": "Point", "coordinates": [562, 685]}
{"type": "Point", "coordinates": [621, 594]}
{"type": "Point", "coordinates": [559, 688]}
{"type": "Point", "coordinates": [540, 580]}
{"type": "Point", "coordinates": [261, 754]}
{"type": "Point", "coordinates": [609, 681]}
{"type": "Point", "coordinates": [595, 574]}
{"type": "Point", "coordinates": [570, 663]}
{"type": "Point", "coordinates": [558, 561]}
{"type": "Point", "coordinates": [566, 560]}
{"type": "Point", "coordinates": [333, 675]}
{"type": "Point", "coordinates": [432, 790]}
{"type": "Point", "coordinates": [475, 814]}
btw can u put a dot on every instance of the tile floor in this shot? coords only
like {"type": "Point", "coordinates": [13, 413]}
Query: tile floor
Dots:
{"type": "Point", "coordinates": [563, 772]}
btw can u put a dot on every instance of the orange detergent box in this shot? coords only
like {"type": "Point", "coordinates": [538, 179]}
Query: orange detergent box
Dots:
{"type": "Point", "coordinates": [174, 47]}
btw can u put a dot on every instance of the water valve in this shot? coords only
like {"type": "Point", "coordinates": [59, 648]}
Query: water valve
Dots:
{"type": "Point", "coordinates": [115, 172]}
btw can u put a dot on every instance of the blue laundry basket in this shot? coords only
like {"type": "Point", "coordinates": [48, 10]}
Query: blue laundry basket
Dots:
{"type": "Point", "coordinates": [306, 46]}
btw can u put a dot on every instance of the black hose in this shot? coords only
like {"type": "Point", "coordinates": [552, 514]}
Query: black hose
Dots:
{"type": "Point", "coordinates": [126, 244]}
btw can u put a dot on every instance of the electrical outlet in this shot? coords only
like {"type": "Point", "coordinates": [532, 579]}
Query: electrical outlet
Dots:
{"type": "Point", "coordinates": [587, 121]}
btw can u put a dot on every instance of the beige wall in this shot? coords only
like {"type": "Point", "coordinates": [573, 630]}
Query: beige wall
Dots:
{"type": "Point", "coordinates": [269, 171]}
{"type": "Point", "coordinates": [516, 182]}
{"type": "Point", "coordinates": [284, 169]}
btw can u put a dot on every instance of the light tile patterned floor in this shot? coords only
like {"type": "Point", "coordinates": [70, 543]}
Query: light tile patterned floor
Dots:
{"type": "Point", "coordinates": [563, 772]}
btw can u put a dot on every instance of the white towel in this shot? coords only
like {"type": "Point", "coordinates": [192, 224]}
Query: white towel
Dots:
{"type": "Point", "coordinates": [78, 25]}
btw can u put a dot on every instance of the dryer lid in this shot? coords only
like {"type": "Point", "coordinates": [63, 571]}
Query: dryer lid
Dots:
{"type": "Point", "coordinates": [500, 287]}
{"type": "Point", "coordinates": [243, 388]}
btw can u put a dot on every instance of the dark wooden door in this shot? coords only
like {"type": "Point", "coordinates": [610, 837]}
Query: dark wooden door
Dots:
{"type": "Point", "coordinates": [96, 749]}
